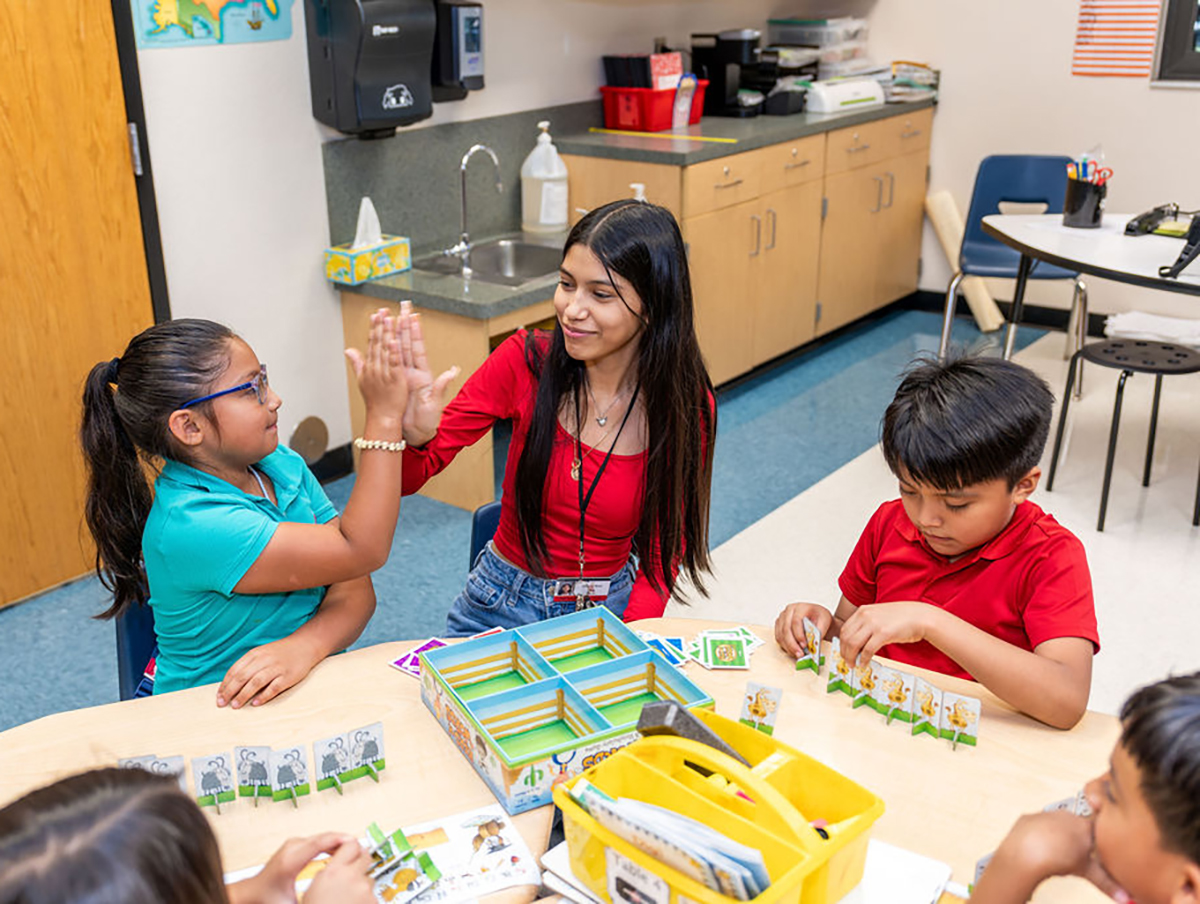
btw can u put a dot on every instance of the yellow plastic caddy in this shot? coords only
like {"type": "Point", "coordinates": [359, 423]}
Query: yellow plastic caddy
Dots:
{"type": "Point", "coordinates": [782, 793]}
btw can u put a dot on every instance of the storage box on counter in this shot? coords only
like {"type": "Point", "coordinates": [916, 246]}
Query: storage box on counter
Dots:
{"type": "Point", "coordinates": [350, 266]}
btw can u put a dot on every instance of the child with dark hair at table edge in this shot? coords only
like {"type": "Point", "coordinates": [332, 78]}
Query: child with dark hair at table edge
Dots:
{"type": "Point", "coordinates": [963, 574]}
{"type": "Point", "coordinates": [1142, 840]}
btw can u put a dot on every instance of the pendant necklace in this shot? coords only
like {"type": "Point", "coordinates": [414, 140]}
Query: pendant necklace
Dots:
{"type": "Point", "coordinates": [602, 417]}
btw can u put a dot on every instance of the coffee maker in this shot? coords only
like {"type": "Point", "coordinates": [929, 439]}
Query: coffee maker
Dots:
{"type": "Point", "coordinates": [720, 58]}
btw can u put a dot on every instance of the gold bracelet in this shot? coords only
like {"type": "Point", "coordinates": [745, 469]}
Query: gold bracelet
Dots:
{"type": "Point", "coordinates": [382, 444]}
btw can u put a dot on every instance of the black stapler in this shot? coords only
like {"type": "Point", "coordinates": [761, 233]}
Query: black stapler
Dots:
{"type": "Point", "coordinates": [1146, 223]}
{"type": "Point", "coordinates": [1191, 250]}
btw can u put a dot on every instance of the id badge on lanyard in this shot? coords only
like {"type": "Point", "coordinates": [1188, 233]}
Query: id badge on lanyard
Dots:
{"type": "Point", "coordinates": [586, 592]}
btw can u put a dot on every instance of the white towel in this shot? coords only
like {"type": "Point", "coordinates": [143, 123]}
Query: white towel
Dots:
{"type": "Point", "coordinates": [1139, 325]}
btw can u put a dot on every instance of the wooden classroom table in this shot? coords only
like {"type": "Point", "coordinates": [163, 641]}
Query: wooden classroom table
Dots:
{"type": "Point", "coordinates": [952, 805]}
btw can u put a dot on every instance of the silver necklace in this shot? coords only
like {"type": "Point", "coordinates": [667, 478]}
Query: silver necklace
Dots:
{"type": "Point", "coordinates": [602, 417]}
{"type": "Point", "coordinates": [262, 489]}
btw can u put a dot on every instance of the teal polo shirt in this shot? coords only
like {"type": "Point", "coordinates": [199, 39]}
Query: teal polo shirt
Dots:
{"type": "Point", "coordinates": [201, 537]}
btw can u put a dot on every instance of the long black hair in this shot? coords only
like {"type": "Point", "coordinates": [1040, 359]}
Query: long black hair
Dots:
{"type": "Point", "coordinates": [109, 836]}
{"type": "Point", "coordinates": [125, 428]}
{"type": "Point", "coordinates": [642, 243]}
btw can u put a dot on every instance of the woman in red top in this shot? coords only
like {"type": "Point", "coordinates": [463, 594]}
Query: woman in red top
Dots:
{"type": "Point", "coordinates": [606, 487]}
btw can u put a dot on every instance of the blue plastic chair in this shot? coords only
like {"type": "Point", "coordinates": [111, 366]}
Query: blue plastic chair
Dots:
{"type": "Point", "coordinates": [136, 642]}
{"type": "Point", "coordinates": [483, 528]}
{"type": "Point", "coordinates": [1018, 179]}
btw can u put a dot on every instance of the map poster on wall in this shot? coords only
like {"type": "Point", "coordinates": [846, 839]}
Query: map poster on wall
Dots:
{"type": "Point", "coordinates": [200, 23]}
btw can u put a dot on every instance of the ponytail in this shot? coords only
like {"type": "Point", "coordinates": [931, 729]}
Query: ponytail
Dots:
{"type": "Point", "coordinates": [126, 427]}
{"type": "Point", "coordinates": [118, 495]}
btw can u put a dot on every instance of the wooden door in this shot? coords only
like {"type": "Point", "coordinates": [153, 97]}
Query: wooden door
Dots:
{"type": "Point", "coordinates": [73, 278]}
{"type": "Point", "coordinates": [786, 300]}
{"type": "Point", "coordinates": [900, 221]}
{"type": "Point", "coordinates": [722, 249]}
{"type": "Point", "coordinates": [846, 281]}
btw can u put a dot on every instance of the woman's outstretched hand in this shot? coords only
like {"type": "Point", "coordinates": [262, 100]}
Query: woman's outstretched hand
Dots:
{"type": "Point", "coordinates": [426, 395]}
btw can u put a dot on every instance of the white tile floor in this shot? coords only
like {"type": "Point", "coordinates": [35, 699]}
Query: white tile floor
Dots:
{"type": "Point", "coordinates": [1145, 565]}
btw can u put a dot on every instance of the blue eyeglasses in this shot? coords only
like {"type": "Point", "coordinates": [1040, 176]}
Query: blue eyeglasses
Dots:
{"type": "Point", "coordinates": [258, 384]}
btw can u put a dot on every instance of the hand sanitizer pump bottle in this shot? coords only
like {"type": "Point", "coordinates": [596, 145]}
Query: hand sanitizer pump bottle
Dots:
{"type": "Point", "coordinates": [543, 187]}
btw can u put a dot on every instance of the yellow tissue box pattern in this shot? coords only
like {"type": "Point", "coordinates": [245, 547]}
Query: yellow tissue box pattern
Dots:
{"type": "Point", "coordinates": [344, 265]}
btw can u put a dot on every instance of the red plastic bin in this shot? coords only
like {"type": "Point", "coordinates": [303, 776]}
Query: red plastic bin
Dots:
{"type": "Point", "coordinates": [646, 109]}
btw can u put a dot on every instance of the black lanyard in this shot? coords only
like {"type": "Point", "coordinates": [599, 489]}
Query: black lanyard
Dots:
{"type": "Point", "coordinates": [585, 501]}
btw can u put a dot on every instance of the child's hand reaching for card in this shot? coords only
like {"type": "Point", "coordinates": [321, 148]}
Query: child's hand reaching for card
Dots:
{"type": "Point", "coordinates": [343, 880]}
{"type": "Point", "coordinates": [789, 626]}
{"type": "Point", "coordinates": [872, 627]}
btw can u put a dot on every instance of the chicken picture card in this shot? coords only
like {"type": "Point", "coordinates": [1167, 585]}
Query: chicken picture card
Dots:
{"type": "Point", "coordinates": [812, 658]}
{"type": "Point", "coordinates": [960, 719]}
{"type": "Point", "coordinates": [841, 676]}
{"type": "Point", "coordinates": [927, 708]}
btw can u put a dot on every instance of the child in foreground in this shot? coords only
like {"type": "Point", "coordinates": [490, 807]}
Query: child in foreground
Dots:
{"type": "Point", "coordinates": [251, 575]}
{"type": "Point", "coordinates": [1142, 841]}
{"type": "Point", "coordinates": [124, 836]}
{"type": "Point", "coordinates": [963, 574]}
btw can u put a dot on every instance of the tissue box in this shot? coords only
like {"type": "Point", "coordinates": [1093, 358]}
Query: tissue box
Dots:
{"type": "Point", "coordinates": [392, 254]}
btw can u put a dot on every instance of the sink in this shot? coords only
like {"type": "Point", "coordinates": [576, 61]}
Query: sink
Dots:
{"type": "Point", "coordinates": [507, 261]}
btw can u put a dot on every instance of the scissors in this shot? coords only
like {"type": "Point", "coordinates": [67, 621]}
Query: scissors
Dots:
{"type": "Point", "coordinates": [1102, 175]}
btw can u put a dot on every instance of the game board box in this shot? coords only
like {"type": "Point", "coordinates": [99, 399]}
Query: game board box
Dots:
{"type": "Point", "coordinates": [533, 706]}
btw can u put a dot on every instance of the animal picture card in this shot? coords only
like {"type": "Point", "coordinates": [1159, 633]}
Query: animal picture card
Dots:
{"type": "Point", "coordinates": [760, 707]}
{"type": "Point", "coordinates": [927, 708]}
{"type": "Point", "coordinates": [866, 679]}
{"type": "Point", "coordinates": [410, 662]}
{"type": "Point", "coordinates": [366, 751]}
{"type": "Point", "coordinates": [960, 719]}
{"type": "Point", "coordinates": [170, 765]}
{"type": "Point", "coordinates": [289, 774]}
{"type": "Point", "coordinates": [812, 658]}
{"type": "Point", "coordinates": [894, 694]}
{"type": "Point", "coordinates": [252, 778]}
{"type": "Point", "coordinates": [213, 779]}
{"type": "Point", "coordinates": [331, 762]}
{"type": "Point", "coordinates": [726, 652]}
{"type": "Point", "coordinates": [841, 676]}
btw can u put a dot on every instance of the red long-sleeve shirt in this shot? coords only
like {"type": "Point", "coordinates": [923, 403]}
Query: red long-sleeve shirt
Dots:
{"type": "Point", "coordinates": [504, 387]}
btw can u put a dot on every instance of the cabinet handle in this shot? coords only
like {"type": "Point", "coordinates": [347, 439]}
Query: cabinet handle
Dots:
{"type": "Point", "coordinates": [857, 148]}
{"type": "Point", "coordinates": [891, 189]}
{"type": "Point", "coordinates": [878, 196]}
{"type": "Point", "coordinates": [789, 166]}
{"type": "Point", "coordinates": [728, 184]}
{"type": "Point", "coordinates": [911, 133]}
{"type": "Point", "coordinates": [774, 220]}
{"type": "Point", "coordinates": [757, 234]}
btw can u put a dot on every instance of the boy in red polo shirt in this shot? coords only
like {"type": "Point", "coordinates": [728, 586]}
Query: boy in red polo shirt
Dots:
{"type": "Point", "coordinates": [963, 574]}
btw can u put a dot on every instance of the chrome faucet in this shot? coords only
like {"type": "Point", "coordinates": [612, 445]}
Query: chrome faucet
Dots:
{"type": "Point", "coordinates": [463, 248]}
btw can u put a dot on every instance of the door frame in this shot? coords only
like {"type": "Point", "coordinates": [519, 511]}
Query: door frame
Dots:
{"type": "Point", "coordinates": [131, 88]}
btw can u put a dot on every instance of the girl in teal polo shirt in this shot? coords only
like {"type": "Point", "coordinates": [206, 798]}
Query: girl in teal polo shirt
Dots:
{"type": "Point", "coordinates": [252, 576]}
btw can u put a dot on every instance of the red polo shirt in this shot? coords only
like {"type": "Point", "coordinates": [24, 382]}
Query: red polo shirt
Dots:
{"type": "Point", "coordinates": [1028, 584]}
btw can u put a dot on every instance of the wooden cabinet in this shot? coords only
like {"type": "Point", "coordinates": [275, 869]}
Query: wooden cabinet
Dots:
{"type": "Point", "coordinates": [874, 205]}
{"type": "Point", "coordinates": [754, 278]}
{"type": "Point", "coordinates": [763, 260]}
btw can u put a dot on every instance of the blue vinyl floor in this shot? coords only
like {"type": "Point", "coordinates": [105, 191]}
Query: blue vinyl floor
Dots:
{"type": "Point", "coordinates": [779, 432]}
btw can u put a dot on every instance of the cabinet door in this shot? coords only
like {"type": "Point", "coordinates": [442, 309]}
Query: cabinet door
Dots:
{"type": "Point", "coordinates": [723, 246]}
{"type": "Point", "coordinates": [900, 221]}
{"type": "Point", "coordinates": [786, 296]}
{"type": "Point", "coordinates": [846, 281]}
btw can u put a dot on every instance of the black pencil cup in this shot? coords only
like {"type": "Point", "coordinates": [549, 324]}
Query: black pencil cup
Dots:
{"type": "Point", "coordinates": [1083, 206]}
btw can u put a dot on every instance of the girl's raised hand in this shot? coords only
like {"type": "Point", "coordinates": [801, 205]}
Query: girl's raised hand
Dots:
{"type": "Point", "coordinates": [426, 395]}
{"type": "Point", "coordinates": [381, 376]}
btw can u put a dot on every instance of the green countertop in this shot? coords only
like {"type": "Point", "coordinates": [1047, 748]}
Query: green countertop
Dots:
{"type": "Point", "coordinates": [748, 134]}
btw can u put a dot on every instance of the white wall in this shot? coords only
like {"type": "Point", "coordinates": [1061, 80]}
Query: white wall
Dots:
{"type": "Point", "coordinates": [1007, 88]}
{"type": "Point", "coordinates": [239, 180]}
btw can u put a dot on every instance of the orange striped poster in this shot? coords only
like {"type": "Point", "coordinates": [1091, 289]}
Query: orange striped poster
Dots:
{"type": "Point", "coordinates": [1116, 37]}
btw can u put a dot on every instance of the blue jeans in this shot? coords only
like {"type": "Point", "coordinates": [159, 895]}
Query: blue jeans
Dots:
{"type": "Point", "coordinates": [501, 595]}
